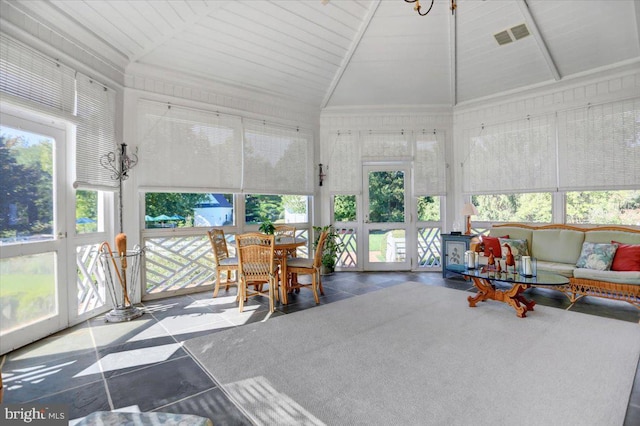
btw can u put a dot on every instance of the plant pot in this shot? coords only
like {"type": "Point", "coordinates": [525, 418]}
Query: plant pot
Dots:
{"type": "Point", "coordinates": [324, 270]}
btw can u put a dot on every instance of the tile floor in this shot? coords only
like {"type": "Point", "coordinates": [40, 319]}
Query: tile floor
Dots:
{"type": "Point", "coordinates": [144, 368]}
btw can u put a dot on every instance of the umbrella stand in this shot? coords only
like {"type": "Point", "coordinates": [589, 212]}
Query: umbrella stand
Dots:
{"type": "Point", "coordinates": [121, 282]}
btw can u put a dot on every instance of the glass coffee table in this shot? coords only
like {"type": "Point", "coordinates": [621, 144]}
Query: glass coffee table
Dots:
{"type": "Point", "coordinates": [484, 279]}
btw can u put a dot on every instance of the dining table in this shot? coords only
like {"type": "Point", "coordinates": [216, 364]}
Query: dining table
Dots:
{"type": "Point", "coordinates": [283, 248]}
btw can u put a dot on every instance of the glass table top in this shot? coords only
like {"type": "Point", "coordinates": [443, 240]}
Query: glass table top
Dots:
{"type": "Point", "coordinates": [541, 278]}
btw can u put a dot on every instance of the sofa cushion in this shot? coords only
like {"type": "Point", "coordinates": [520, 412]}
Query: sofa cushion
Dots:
{"type": "Point", "coordinates": [492, 243]}
{"type": "Point", "coordinates": [627, 257]}
{"type": "Point", "coordinates": [597, 256]}
{"type": "Point", "coordinates": [609, 276]}
{"type": "Point", "coordinates": [608, 236]}
{"type": "Point", "coordinates": [564, 269]}
{"type": "Point", "coordinates": [519, 248]}
{"type": "Point", "coordinates": [514, 232]}
{"type": "Point", "coordinates": [557, 245]}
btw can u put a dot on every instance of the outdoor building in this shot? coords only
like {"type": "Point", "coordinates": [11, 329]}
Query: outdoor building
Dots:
{"type": "Point", "coordinates": [215, 211]}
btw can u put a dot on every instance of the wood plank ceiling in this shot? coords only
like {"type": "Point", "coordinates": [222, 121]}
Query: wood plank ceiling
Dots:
{"type": "Point", "coordinates": [352, 53]}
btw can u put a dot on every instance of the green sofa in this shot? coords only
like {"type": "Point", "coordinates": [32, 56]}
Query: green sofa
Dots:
{"type": "Point", "coordinates": [557, 248]}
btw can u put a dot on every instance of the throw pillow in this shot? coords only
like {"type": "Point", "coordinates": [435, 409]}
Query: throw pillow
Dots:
{"type": "Point", "coordinates": [596, 256]}
{"type": "Point", "coordinates": [494, 243]}
{"type": "Point", "coordinates": [519, 248]}
{"type": "Point", "coordinates": [627, 257]}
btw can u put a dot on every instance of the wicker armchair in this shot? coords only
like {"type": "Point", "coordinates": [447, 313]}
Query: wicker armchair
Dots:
{"type": "Point", "coordinates": [301, 266]}
{"type": "Point", "coordinates": [221, 259]}
{"type": "Point", "coordinates": [256, 266]}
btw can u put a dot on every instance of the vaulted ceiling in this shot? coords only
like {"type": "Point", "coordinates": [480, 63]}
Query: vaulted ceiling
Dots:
{"type": "Point", "coordinates": [361, 52]}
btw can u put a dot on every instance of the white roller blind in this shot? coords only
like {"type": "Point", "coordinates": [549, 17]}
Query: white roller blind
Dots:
{"type": "Point", "coordinates": [31, 76]}
{"type": "Point", "coordinates": [344, 171]}
{"type": "Point", "coordinates": [95, 134]}
{"type": "Point", "coordinates": [429, 164]}
{"type": "Point", "coordinates": [185, 148]}
{"type": "Point", "coordinates": [519, 156]}
{"type": "Point", "coordinates": [601, 144]}
{"type": "Point", "coordinates": [277, 160]}
{"type": "Point", "coordinates": [385, 145]}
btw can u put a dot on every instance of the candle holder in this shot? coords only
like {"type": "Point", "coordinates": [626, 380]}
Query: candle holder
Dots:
{"type": "Point", "coordinates": [528, 266]}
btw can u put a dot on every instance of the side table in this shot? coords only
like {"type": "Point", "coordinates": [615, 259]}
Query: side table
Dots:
{"type": "Point", "coordinates": [452, 250]}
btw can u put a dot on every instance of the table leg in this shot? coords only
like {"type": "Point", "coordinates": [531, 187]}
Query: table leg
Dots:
{"type": "Point", "coordinates": [512, 296]}
{"type": "Point", "coordinates": [285, 280]}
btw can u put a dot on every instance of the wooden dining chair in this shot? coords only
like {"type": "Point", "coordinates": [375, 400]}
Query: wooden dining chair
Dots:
{"type": "Point", "coordinates": [256, 266]}
{"type": "Point", "coordinates": [284, 231]}
{"type": "Point", "coordinates": [301, 266]}
{"type": "Point", "coordinates": [222, 261]}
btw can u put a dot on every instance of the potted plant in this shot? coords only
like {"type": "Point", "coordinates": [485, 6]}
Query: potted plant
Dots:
{"type": "Point", "coordinates": [267, 227]}
{"type": "Point", "coordinates": [331, 246]}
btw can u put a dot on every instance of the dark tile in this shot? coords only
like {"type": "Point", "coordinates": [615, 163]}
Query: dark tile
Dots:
{"type": "Point", "coordinates": [212, 404]}
{"type": "Point", "coordinates": [632, 418]}
{"type": "Point", "coordinates": [159, 385]}
{"type": "Point", "coordinates": [607, 308]}
{"type": "Point", "coordinates": [81, 401]}
{"type": "Point", "coordinates": [28, 379]}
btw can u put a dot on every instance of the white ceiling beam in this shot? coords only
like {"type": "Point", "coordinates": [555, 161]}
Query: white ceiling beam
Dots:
{"type": "Point", "coordinates": [347, 58]}
{"type": "Point", "coordinates": [453, 58]}
{"type": "Point", "coordinates": [533, 28]}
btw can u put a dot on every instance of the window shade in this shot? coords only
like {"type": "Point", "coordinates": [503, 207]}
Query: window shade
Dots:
{"type": "Point", "coordinates": [277, 160]}
{"type": "Point", "coordinates": [95, 133]}
{"type": "Point", "coordinates": [429, 164]}
{"type": "Point", "coordinates": [518, 156]}
{"type": "Point", "coordinates": [29, 75]}
{"type": "Point", "coordinates": [385, 145]}
{"type": "Point", "coordinates": [344, 171]}
{"type": "Point", "coordinates": [602, 146]}
{"type": "Point", "coordinates": [185, 148]}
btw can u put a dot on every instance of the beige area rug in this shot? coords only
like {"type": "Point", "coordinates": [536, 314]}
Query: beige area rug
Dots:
{"type": "Point", "coordinates": [418, 355]}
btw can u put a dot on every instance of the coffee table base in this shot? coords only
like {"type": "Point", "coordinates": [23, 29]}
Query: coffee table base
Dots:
{"type": "Point", "coordinates": [486, 290]}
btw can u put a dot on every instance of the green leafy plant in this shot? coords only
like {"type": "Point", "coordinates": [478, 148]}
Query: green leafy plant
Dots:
{"type": "Point", "coordinates": [331, 246]}
{"type": "Point", "coordinates": [267, 227]}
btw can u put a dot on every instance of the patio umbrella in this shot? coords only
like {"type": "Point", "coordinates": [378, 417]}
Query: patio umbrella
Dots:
{"type": "Point", "coordinates": [84, 220]}
{"type": "Point", "coordinates": [176, 217]}
{"type": "Point", "coordinates": [148, 218]}
{"type": "Point", "coordinates": [161, 218]}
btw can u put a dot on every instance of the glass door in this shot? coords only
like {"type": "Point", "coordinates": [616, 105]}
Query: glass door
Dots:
{"type": "Point", "coordinates": [386, 217]}
{"type": "Point", "coordinates": [33, 261]}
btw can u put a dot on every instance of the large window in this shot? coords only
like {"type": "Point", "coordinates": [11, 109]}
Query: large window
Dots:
{"type": "Point", "coordinates": [276, 208]}
{"type": "Point", "coordinates": [344, 208]}
{"type": "Point", "coordinates": [428, 209]}
{"type": "Point", "coordinates": [87, 207]}
{"type": "Point", "coordinates": [26, 185]}
{"type": "Point", "coordinates": [603, 207]}
{"type": "Point", "coordinates": [178, 209]}
{"type": "Point", "coordinates": [529, 207]}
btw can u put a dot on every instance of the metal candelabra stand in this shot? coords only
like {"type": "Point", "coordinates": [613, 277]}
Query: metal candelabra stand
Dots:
{"type": "Point", "coordinates": [122, 268]}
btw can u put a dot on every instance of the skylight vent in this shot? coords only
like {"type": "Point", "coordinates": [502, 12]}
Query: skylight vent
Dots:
{"type": "Point", "coordinates": [503, 37]}
{"type": "Point", "coordinates": [520, 31]}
